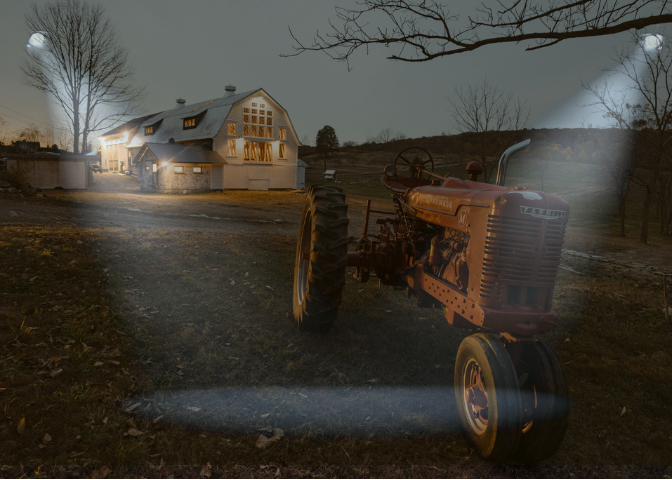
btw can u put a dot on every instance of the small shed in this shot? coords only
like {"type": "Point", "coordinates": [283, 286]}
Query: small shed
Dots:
{"type": "Point", "coordinates": [52, 170]}
{"type": "Point", "coordinates": [330, 175]}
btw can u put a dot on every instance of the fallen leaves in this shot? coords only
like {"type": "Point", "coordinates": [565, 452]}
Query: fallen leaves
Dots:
{"type": "Point", "coordinates": [206, 470]}
{"type": "Point", "coordinates": [21, 427]}
{"type": "Point", "coordinates": [101, 472]}
{"type": "Point", "coordinates": [264, 442]}
{"type": "Point", "coordinates": [46, 439]}
{"type": "Point", "coordinates": [55, 372]}
{"type": "Point", "coordinates": [623, 411]}
{"type": "Point", "coordinates": [134, 432]}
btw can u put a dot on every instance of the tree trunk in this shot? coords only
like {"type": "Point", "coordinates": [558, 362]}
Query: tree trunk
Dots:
{"type": "Point", "coordinates": [644, 235]}
{"type": "Point", "coordinates": [621, 214]}
{"type": "Point", "coordinates": [75, 127]}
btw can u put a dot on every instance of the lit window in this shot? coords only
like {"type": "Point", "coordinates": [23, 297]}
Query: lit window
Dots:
{"type": "Point", "coordinates": [232, 147]}
{"type": "Point", "coordinates": [254, 119]}
{"type": "Point", "coordinates": [262, 120]}
{"type": "Point", "coordinates": [232, 128]}
{"type": "Point", "coordinates": [269, 132]}
{"type": "Point", "coordinates": [198, 170]}
{"type": "Point", "coordinates": [262, 151]}
{"type": "Point", "coordinates": [254, 111]}
{"type": "Point", "coordinates": [246, 110]}
{"type": "Point", "coordinates": [247, 152]}
{"type": "Point", "coordinates": [179, 169]}
{"type": "Point", "coordinates": [262, 131]}
{"type": "Point", "coordinates": [254, 105]}
{"type": "Point", "coordinates": [262, 112]}
{"type": "Point", "coordinates": [149, 130]}
{"type": "Point", "coordinates": [254, 131]}
{"type": "Point", "coordinates": [147, 168]}
{"type": "Point", "coordinates": [154, 167]}
{"type": "Point", "coordinates": [269, 113]}
{"type": "Point", "coordinates": [282, 133]}
{"type": "Point", "coordinates": [281, 153]}
{"type": "Point", "coordinates": [269, 152]}
{"type": "Point", "coordinates": [246, 119]}
{"type": "Point", "coordinates": [190, 123]}
{"type": "Point", "coordinates": [269, 121]}
{"type": "Point", "coordinates": [246, 130]}
{"type": "Point", "coordinates": [262, 105]}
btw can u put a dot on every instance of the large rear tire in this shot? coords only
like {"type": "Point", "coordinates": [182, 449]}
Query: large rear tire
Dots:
{"type": "Point", "coordinates": [545, 398]}
{"type": "Point", "coordinates": [488, 400]}
{"type": "Point", "coordinates": [321, 258]}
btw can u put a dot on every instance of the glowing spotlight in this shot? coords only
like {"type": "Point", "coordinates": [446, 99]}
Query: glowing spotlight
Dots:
{"type": "Point", "coordinates": [653, 42]}
{"type": "Point", "coordinates": [36, 40]}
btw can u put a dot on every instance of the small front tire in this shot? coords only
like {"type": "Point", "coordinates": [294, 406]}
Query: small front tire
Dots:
{"type": "Point", "coordinates": [488, 400]}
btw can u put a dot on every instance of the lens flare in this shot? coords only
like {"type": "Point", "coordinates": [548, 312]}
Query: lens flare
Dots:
{"type": "Point", "coordinates": [36, 40]}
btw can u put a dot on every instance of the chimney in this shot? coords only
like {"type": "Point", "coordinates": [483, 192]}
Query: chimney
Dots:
{"type": "Point", "coordinates": [180, 102]}
{"type": "Point", "coordinates": [229, 90]}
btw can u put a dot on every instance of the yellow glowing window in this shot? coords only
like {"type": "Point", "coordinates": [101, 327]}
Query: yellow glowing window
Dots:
{"type": "Point", "coordinates": [246, 130]}
{"type": "Point", "coordinates": [232, 147]}
{"type": "Point", "coordinates": [246, 110]}
{"type": "Point", "coordinates": [189, 122]}
{"type": "Point", "coordinates": [269, 132]}
{"type": "Point", "coordinates": [262, 105]}
{"type": "Point", "coordinates": [154, 166]}
{"type": "Point", "coordinates": [254, 119]}
{"type": "Point", "coordinates": [232, 128]}
{"type": "Point", "coordinates": [179, 169]}
{"type": "Point", "coordinates": [254, 131]}
{"type": "Point", "coordinates": [246, 118]}
{"type": "Point", "coordinates": [262, 120]}
{"type": "Point", "coordinates": [281, 153]}
{"type": "Point", "coordinates": [282, 133]}
{"type": "Point", "coordinates": [262, 112]}
{"type": "Point", "coordinates": [198, 170]}
{"type": "Point", "coordinates": [269, 113]}
{"type": "Point", "coordinates": [254, 111]}
{"type": "Point", "coordinates": [254, 104]}
{"type": "Point", "coordinates": [269, 121]}
{"type": "Point", "coordinates": [262, 151]}
{"type": "Point", "coordinates": [149, 130]}
{"type": "Point", "coordinates": [269, 152]}
{"type": "Point", "coordinates": [262, 131]}
{"type": "Point", "coordinates": [247, 151]}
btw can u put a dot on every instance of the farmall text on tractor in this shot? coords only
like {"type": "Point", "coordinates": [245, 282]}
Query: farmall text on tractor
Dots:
{"type": "Point", "coordinates": [488, 255]}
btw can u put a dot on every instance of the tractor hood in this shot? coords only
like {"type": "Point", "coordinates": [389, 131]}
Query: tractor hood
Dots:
{"type": "Point", "coordinates": [445, 200]}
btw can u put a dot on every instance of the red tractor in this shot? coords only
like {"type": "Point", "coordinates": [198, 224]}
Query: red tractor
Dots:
{"type": "Point", "coordinates": [488, 255]}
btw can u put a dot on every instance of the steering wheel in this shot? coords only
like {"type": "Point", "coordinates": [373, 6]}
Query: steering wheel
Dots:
{"type": "Point", "coordinates": [414, 157]}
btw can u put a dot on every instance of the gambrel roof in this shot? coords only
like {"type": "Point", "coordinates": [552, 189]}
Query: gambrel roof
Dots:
{"type": "Point", "coordinates": [169, 124]}
{"type": "Point", "coordinates": [127, 126]}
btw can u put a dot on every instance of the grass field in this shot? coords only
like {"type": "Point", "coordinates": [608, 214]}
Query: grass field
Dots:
{"type": "Point", "coordinates": [152, 344]}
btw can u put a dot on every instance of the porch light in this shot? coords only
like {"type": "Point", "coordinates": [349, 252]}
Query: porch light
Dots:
{"type": "Point", "coordinates": [164, 164]}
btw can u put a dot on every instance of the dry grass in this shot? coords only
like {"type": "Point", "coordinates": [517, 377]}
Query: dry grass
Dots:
{"type": "Point", "coordinates": [158, 309]}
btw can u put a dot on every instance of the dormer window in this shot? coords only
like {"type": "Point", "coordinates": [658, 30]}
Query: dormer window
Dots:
{"type": "Point", "coordinates": [149, 130]}
{"type": "Point", "coordinates": [189, 123]}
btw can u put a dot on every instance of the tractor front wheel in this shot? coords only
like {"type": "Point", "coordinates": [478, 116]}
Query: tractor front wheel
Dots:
{"type": "Point", "coordinates": [321, 258]}
{"type": "Point", "coordinates": [488, 399]}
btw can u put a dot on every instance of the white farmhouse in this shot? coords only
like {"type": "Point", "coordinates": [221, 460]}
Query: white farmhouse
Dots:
{"type": "Point", "coordinates": [238, 141]}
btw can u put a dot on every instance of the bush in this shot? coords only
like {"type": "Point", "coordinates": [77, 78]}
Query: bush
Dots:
{"type": "Point", "coordinates": [17, 176]}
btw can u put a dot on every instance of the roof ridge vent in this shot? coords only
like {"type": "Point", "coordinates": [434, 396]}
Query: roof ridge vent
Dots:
{"type": "Point", "coordinates": [180, 102]}
{"type": "Point", "coordinates": [229, 91]}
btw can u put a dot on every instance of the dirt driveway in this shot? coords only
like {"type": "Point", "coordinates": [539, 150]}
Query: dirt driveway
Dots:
{"type": "Point", "coordinates": [173, 313]}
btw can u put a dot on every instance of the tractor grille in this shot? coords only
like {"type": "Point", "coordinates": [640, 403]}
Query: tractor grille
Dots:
{"type": "Point", "coordinates": [523, 252]}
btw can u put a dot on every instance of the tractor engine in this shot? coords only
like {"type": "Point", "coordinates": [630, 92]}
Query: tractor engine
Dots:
{"type": "Point", "coordinates": [487, 254]}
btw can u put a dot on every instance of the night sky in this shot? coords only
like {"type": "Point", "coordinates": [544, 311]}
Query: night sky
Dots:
{"type": "Point", "coordinates": [193, 49]}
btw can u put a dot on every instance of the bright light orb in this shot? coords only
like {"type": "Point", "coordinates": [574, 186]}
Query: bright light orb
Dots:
{"type": "Point", "coordinates": [653, 42]}
{"type": "Point", "coordinates": [36, 40]}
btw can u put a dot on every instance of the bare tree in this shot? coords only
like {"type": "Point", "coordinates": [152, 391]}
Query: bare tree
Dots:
{"type": "Point", "coordinates": [385, 135]}
{"type": "Point", "coordinates": [75, 57]}
{"type": "Point", "coordinates": [31, 133]}
{"type": "Point", "coordinates": [423, 30]}
{"type": "Point", "coordinates": [3, 131]}
{"type": "Point", "coordinates": [493, 115]}
{"type": "Point", "coordinates": [399, 136]}
{"type": "Point", "coordinates": [649, 71]}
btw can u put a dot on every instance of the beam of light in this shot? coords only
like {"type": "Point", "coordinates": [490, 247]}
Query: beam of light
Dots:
{"type": "Point", "coordinates": [319, 411]}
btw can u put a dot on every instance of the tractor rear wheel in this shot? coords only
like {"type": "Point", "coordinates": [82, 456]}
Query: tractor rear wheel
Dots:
{"type": "Point", "coordinates": [545, 397]}
{"type": "Point", "coordinates": [488, 399]}
{"type": "Point", "coordinates": [321, 258]}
